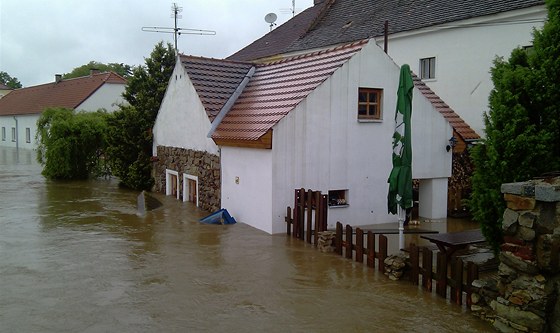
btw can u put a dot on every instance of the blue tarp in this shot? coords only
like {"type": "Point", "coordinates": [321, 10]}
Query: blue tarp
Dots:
{"type": "Point", "coordinates": [219, 217]}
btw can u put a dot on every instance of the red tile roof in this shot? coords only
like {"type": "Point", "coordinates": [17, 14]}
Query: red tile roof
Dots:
{"type": "Point", "coordinates": [68, 93]}
{"type": "Point", "coordinates": [214, 80]}
{"type": "Point", "coordinates": [276, 88]}
{"type": "Point", "coordinates": [458, 124]}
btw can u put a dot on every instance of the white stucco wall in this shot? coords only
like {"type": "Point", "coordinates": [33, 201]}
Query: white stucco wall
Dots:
{"type": "Point", "coordinates": [247, 185]}
{"type": "Point", "coordinates": [320, 145]}
{"type": "Point", "coordinates": [23, 122]}
{"type": "Point", "coordinates": [464, 55]}
{"type": "Point", "coordinates": [182, 121]}
{"type": "Point", "coordinates": [107, 97]}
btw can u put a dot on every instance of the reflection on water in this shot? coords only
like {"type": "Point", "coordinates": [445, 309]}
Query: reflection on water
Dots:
{"type": "Point", "coordinates": [75, 257]}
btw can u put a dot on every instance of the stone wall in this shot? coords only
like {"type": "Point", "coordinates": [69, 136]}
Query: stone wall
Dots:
{"type": "Point", "coordinates": [525, 297]}
{"type": "Point", "coordinates": [197, 163]}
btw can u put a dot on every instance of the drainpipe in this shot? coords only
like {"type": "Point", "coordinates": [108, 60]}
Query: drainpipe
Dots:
{"type": "Point", "coordinates": [231, 101]}
{"type": "Point", "coordinates": [17, 136]}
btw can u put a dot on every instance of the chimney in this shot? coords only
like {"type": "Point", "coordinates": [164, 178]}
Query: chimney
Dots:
{"type": "Point", "coordinates": [316, 2]}
{"type": "Point", "coordinates": [57, 78]}
{"type": "Point", "coordinates": [93, 71]}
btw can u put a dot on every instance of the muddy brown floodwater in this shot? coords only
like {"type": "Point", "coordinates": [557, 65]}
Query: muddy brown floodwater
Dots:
{"type": "Point", "coordinates": [75, 257]}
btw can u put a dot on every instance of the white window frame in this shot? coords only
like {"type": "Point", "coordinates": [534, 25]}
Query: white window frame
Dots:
{"type": "Point", "coordinates": [168, 188]}
{"type": "Point", "coordinates": [14, 135]}
{"type": "Point", "coordinates": [3, 133]}
{"type": "Point", "coordinates": [186, 177]}
{"type": "Point", "coordinates": [428, 73]}
{"type": "Point", "coordinates": [28, 135]}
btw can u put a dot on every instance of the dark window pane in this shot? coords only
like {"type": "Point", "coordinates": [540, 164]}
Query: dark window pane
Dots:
{"type": "Point", "coordinates": [362, 97]}
{"type": "Point", "coordinates": [362, 110]}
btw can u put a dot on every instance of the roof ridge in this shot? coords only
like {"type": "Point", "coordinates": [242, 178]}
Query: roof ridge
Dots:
{"type": "Point", "coordinates": [187, 56]}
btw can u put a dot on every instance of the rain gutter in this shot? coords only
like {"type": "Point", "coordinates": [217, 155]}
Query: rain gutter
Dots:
{"type": "Point", "coordinates": [231, 101]}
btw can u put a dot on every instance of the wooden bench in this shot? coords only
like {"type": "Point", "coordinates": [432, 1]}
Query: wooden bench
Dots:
{"type": "Point", "coordinates": [448, 243]}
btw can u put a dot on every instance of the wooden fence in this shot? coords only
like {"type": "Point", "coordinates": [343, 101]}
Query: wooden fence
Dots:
{"type": "Point", "coordinates": [309, 216]}
{"type": "Point", "coordinates": [450, 278]}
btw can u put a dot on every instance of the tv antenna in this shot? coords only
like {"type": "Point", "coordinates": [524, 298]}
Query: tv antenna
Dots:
{"type": "Point", "coordinates": [290, 10]}
{"type": "Point", "coordinates": [271, 18]}
{"type": "Point", "coordinates": [175, 12]}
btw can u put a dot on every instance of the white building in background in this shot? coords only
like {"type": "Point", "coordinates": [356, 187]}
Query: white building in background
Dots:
{"type": "Point", "coordinates": [21, 108]}
{"type": "Point", "coordinates": [320, 120]}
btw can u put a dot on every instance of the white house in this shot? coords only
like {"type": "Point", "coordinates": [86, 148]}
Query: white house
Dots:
{"type": "Point", "coordinates": [321, 120]}
{"type": "Point", "coordinates": [21, 108]}
{"type": "Point", "coordinates": [450, 44]}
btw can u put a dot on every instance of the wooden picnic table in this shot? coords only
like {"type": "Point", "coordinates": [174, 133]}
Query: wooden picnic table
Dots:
{"type": "Point", "coordinates": [448, 243]}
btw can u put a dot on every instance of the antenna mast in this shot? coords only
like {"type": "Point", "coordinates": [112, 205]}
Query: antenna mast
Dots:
{"type": "Point", "coordinates": [175, 12]}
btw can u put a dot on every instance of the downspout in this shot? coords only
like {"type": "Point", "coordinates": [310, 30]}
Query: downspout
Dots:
{"type": "Point", "coordinates": [17, 134]}
{"type": "Point", "coordinates": [231, 101]}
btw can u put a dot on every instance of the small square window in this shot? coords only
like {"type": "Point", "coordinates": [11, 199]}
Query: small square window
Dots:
{"type": "Point", "coordinates": [428, 68]}
{"type": "Point", "coordinates": [27, 135]}
{"type": "Point", "coordinates": [338, 198]}
{"type": "Point", "coordinates": [369, 103]}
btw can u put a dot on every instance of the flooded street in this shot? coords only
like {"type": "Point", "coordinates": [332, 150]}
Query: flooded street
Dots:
{"type": "Point", "coordinates": [75, 257]}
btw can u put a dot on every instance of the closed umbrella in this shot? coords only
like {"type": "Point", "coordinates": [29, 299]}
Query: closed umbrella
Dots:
{"type": "Point", "coordinates": [400, 180]}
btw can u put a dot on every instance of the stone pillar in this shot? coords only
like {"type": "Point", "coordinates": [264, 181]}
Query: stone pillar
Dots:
{"type": "Point", "coordinates": [529, 272]}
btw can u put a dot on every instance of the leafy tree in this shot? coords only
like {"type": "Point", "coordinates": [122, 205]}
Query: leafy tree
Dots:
{"type": "Point", "coordinates": [9, 81]}
{"type": "Point", "coordinates": [130, 128]}
{"type": "Point", "coordinates": [84, 70]}
{"type": "Point", "coordinates": [522, 125]}
{"type": "Point", "coordinates": [71, 143]}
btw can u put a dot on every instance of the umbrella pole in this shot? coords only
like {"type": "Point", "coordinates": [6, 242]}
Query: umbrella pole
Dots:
{"type": "Point", "coordinates": [401, 216]}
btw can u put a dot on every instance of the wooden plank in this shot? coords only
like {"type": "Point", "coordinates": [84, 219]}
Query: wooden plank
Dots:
{"type": "Point", "coordinates": [415, 264]}
{"type": "Point", "coordinates": [325, 209]}
{"type": "Point", "coordinates": [295, 227]}
{"type": "Point", "coordinates": [349, 241]}
{"type": "Point", "coordinates": [359, 245]}
{"type": "Point", "coordinates": [472, 274]}
{"type": "Point", "coordinates": [318, 213]}
{"type": "Point", "coordinates": [457, 277]}
{"type": "Point", "coordinates": [370, 249]}
{"type": "Point", "coordinates": [289, 220]}
{"type": "Point", "coordinates": [382, 252]}
{"type": "Point", "coordinates": [264, 142]}
{"type": "Point", "coordinates": [338, 238]}
{"type": "Point", "coordinates": [308, 206]}
{"type": "Point", "coordinates": [441, 275]}
{"type": "Point", "coordinates": [427, 259]}
{"type": "Point", "coordinates": [301, 213]}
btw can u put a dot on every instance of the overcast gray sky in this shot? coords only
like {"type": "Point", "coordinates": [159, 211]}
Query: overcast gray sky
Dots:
{"type": "Point", "coordinates": [41, 38]}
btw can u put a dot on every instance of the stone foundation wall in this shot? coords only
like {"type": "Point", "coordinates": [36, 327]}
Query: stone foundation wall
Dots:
{"type": "Point", "coordinates": [197, 163]}
{"type": "Point", "coordinates": [525, 297]}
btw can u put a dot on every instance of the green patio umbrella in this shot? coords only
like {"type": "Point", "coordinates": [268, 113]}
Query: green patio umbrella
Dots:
{"type": "Point", "coordinates": [400, 179]}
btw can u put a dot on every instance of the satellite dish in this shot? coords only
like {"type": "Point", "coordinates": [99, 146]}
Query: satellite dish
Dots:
{"type": "Point", "coordinates": [270, 18]}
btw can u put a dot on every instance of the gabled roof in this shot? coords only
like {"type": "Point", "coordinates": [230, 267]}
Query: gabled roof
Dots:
{"type": "Point", "coordinates": [458, 124]}
{"type": "Point", "coordinates": [214, 80]}
{"type": "Point", "coordinates": [278, 87]}
{"type": "Point", "coordinates": [68, 93]}
{"type": "Point", "coordinates": [341, 21]}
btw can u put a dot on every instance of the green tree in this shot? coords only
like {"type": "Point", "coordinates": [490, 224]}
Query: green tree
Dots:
{"type": "Point", "coordinates": [130, 128]}
{"type": "Point", "coordinates": [522, 125]}
{"type": "Point", "coordinates": [71, 144]}
{"type": "Point", "coordinates": [9, 81]}
{"type": "Point", "coordinates": [84, 70]}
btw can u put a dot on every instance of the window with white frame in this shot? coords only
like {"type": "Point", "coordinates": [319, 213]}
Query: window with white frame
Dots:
{"type": "Point", "coordinates": [3, 133]}
{"type": "Point", "coordinates": [428, 68]}
{"type": "Point", "coordinates": [13, 134]}
{"type": "Point", "coordinates": [28, 135]}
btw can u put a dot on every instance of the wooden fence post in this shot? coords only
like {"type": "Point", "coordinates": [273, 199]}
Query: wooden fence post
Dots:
{"type": "Point", "coordinates": [301, 214]}
{"type": "Point", "coordinates": [338, 239]}
{"type": "Point", "coordinates": [370, 249]}
{"type": "Point", "coordinates": [457, 278]}
{"type": "Point", "coordinates": [382, 252]}
{"type": "Point", "coordinates": [318, 216]}
{"type": "Point", "coordinates": [415, 263]}
{"type": "Point", "coordinates": [289, 221]}
{"type": "Point", "coordinates": [349, 235]}
{"type": "Point", "coordinates": [441, 275]}
{"type": "Point", "coordinates": [472, 274]}
{"type": "Point", "coordinates": [359, 245]}
{"type": "Point", "coordinates": [427, 268]}
{"type": "Point", "coordinates": [325, 210]}
{"type": "Point", "coordinates": [309, 207]}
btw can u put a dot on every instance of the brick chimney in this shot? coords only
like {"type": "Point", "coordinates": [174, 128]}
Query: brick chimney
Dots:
{"type": "Point", "coordinates": [94, 71]}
